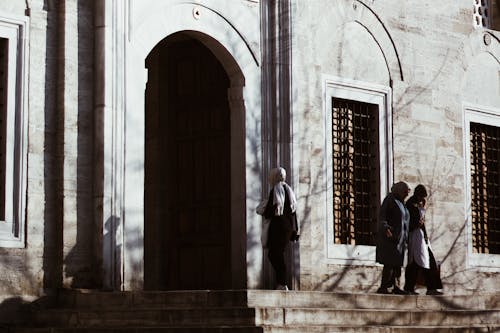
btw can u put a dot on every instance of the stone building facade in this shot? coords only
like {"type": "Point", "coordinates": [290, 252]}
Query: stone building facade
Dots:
{"type": "Point", "coordinates": [137, 136]}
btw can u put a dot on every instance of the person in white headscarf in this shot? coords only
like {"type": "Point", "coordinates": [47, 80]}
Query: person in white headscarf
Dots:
{"type": "Point", "coordinates": [281, 210]}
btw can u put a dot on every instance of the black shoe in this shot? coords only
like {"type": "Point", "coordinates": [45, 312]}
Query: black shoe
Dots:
{"type": "Point", "coordinates": [383, 291]}
{"type": "Point", "coordinates": [397, 291]}
{"type": "Point", "coordinates": [411, 292]}
{"type": "Point", "coordinates": [434, 292]}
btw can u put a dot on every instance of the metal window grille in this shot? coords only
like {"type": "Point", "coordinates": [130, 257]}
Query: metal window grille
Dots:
{"type": "Point", "coordinates": [356, 171]}
{"type": "Point", "coordinates": [485, 188]}
{"type": "Point", "coordinates": [3, 121]}
{"type": "Point", "coordinates": [486, 14]}
{"type": "Point", "coordinates": [481, 14]}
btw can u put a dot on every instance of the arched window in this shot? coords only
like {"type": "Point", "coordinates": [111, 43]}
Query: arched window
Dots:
{"type": "Point", "coordinates": [487, 14]}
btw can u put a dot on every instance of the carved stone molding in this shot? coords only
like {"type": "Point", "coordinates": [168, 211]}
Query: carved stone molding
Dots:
{"type": "Point", "coordinates": [111, 23]}
{"type": "Point", "coordinates": [276, 22]}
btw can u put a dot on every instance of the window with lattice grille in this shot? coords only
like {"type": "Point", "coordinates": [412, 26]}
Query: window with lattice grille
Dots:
{"type": "Point", "coordinates": [358, 168]}
{"type": "Point", "coordinates": [482, 190]}
{"type": "Point", "coordinates": [487, 14]}
{"type": "Point", "coordinates": [356, 171]}
{"type": "Point", "coordinates": [485, 187]}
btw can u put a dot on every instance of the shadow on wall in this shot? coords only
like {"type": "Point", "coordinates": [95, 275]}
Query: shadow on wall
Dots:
{"type": "Point", "coordinates": [38, 269]}
{"type": "Point", "coordinates": [82, 263]}
{"type": "Point", "coordinates": [12, 297]}
{"type": "Point", "coordinates": [18, 309]}
{"type": "Point", "coordinates": [60, 161]}
{"type": "Point", "coordinates": [80, 278]}
{"type": "Point", "coordinates": [52, 164]}
{"type": "Point", "coordinates": [10, 310]}
{"type": "Point", "coordinates": [440, 172]}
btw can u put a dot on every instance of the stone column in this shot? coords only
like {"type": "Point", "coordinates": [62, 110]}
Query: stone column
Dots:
{"type": "Point", "coordinates": [109, 140]}
{"type": "Point", "coordinates": [277, 128]}
{"type": "Point", "coordinates": [43, 212]}
{"type": "Point", "coordinates": [75, 122]}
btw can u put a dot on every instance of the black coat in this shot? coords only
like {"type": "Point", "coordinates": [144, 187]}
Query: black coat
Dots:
{"type": "Point", "coordinates": [282, 228]}
{"type": "Point", "coordinates": [412, 205]}
{"type": "Point", "coordinates": [390, 251]}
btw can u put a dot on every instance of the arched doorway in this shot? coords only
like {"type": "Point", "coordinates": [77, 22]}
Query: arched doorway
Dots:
{"type": "Point", "coordinates": [187, 203]}
{"type": "Point", "coordinates": [122, 64]}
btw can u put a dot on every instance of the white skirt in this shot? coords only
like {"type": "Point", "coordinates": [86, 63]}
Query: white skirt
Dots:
{"type": "Point", "coordinates": [418, 250]}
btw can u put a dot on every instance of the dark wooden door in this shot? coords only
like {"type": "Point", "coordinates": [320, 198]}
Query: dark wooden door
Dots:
{"type": "Point", "coordinates": [195, 157]}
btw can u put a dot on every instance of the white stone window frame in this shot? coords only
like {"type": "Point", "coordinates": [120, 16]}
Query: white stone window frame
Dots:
{"type": "Point", "coordinates": [336, 87]}
{"type": "Point", "coordinates": [12, 229]}
{"type": "Point", "coordinates": [486, 116]}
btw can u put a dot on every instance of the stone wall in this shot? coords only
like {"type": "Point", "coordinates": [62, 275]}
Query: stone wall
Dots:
{"type": "Point", "coordinates": [427, 53]}
{"type": "Point", "coordinates": [22, 269]}
{"type": "Point", "coordinates": [60, 151]}
{"type": "Point", "coordinates": [76, 103]}
{"type": "Point", "coordinates": [433, 42]}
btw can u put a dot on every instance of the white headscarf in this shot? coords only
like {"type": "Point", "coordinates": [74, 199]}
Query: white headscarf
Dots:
{"type": "Point", "coordinates": [277, 178]}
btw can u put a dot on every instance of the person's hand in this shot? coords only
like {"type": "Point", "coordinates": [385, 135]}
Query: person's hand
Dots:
{"type": "Point", "coordinates": [388, 233]}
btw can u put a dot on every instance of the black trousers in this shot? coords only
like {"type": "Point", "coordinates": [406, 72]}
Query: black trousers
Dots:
{"type": "Point", "coordinates": [277, 258]}
{"type": "Point", "coordinates": [431, 275]}
{"type": "Point", "coordinates": [390, 276]}
{"type": "Point", "coordinates": [280, 232]}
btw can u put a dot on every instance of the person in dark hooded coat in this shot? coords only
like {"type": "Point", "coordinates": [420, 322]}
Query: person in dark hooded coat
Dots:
{"type": "Point", "coordinates": [392, 237]}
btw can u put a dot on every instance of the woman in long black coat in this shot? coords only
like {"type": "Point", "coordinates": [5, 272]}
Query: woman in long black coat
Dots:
{"type": "Point", "coordinates": [280, 209]}
{"type": "Point", "coordinates": [392, 237]}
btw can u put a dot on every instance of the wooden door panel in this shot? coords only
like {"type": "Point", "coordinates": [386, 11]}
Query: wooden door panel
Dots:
{"type": "Point", "coordinates": [198, 180]}
{"type": "Point", "coordinates": [189, 262]}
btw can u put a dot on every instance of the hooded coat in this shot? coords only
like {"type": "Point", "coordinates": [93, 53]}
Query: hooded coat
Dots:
{"type": "Point", "coordinates": [395, 217]}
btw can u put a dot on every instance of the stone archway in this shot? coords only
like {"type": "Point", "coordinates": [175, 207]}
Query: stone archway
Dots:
{"type": "Point", "coordinates": [124, 72]}
{"type": "Point", "coordinates": [122, 102]}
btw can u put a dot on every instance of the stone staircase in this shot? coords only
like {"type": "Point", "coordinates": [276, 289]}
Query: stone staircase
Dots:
{"type": "Point", "coordinates": [252, 311]}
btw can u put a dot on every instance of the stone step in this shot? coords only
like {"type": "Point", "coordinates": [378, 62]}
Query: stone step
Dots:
{"type": "Point", "coordinates": [159, 299]}
{"type": "Point", "coordinates": [268, 329]}
{"type": "Point", "coordinates": [271, 298]}
{"type": "Point", "coordinates": [262, 311]}
{"type": "Point", "coordinates": [330, 300]}
{"type": "Point", "coordinates": [242, 316]}
{"type": "Point", "coordinates": [220, 329]}
{"type": "Point", "coordinates": [381, 329]}
{"type": "Point", "coordinates": [371, 317]}
{"type": "Point", "coordinates": [271, 316]}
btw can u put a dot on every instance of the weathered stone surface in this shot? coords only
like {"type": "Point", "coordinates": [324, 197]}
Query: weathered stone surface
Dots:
{"type": "Point", "coordinates": [427, 54]}
{"type": "Point", "coordinates": [270, 311]}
